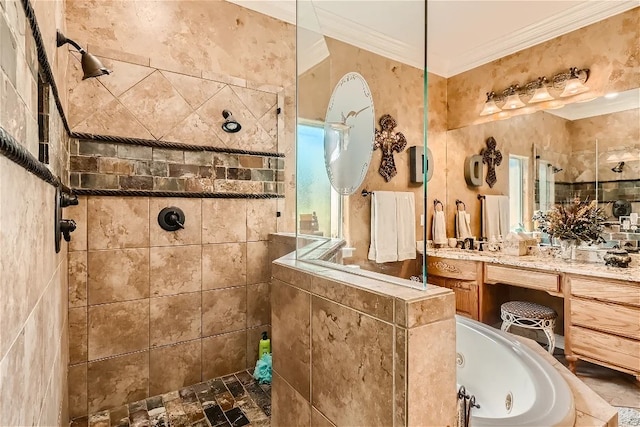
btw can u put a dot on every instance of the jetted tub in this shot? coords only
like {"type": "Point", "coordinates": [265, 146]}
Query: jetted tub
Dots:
{"type": "Point", "coordinates": [513, 385]}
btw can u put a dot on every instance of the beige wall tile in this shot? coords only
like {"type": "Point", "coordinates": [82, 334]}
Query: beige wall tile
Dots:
{"type": "Point", "coordinates": [192, 232]}
{"type": "Point", "coordinates": [118, 328]}
{"type": "Point", "coordinates": [223, 354]}
{"type": "Point", "coordinates": [361, 344]}
{"type": "Point", "coordinates": [193, 89]}
{"type": "Point", "coordinates": [79, 214]}
{"type": "Point", "coordinates": [174, 319]}
{"type": "Point", "coordinates": [258, 264]}
{"type": "Point", "coordinates": [118, 222]}
{"type": "Point", "coordinates": [289, 408]}
{"type": "Point", "coordinates": [224, 265]}
{"type": "Point", "coordinates": [258, 305]}
{"type": "Point", "coordinates": [435, 341]}
{"type": "Point", "coordinates": [292, 276]}
{"type": "Point", "coordinates": [77, 279]}
{"type": "Point", "coordinates": [175, 270]}
{"type": "Point", "coordinates": [78, 390]}
{"type": "Point", "coordinates": [116, 381]}
{"type": "Point", "coordinates": [224, 220]}
{"type": "Point", "coordinates": [261, 219]}
{"type": "Point", "coordinates": [125, 75]}
{"type": "Point", "coordinates": [103, 120]}
{"type": "Point", "coordinates": [118, 275]}
{"type": "Point", "coordinates": [156, 104]}
{"type": "Point", "coordinates": [430, 310]}
{"type": "Point", "coordinates": [77, 335]}
{"type": "Point", "coordinates": [319, 420]}
{"type": "Point", "coordinates": [292, 357]}
{"type": "Point", "coordinates": [174, 367]}
{"type": "Point", "coordinates": [378, 305]}
{"type": "Point", "coordinates": [224, 310]}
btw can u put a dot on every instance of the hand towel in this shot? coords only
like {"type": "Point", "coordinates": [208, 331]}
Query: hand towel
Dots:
{"type": "Point", "coordinates": [505, 219]}
{"type": "Point", "coordinates": [463, 225]}
{"type": "Point", "coordinates": [495, 216]}
{"type": "Point", "coordinates": [384, 228]}
{"type": "Point", "coordinates": [439, 228]}
{"type": "Point", "coordinates": [406, 220]}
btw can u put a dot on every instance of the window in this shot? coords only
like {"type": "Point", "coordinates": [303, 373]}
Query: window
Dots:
{"type": "Point", "coordinates": [518, 191]}
{"type": "Point", "coordinates": [318, 204]}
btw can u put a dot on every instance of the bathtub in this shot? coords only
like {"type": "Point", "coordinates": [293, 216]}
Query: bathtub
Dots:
{"type": "Point", "coordinates": [513, 385]}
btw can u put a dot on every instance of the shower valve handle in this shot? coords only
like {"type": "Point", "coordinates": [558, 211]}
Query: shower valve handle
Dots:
{"type": "Point", "coordinates": [67, 226]}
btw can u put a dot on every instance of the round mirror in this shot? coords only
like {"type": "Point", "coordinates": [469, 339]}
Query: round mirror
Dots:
{"type": "Point", "coordinates": [349, 133]}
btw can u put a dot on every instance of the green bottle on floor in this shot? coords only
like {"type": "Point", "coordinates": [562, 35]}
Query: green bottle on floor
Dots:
{"type": "Point", "coordinates": [265, 345]}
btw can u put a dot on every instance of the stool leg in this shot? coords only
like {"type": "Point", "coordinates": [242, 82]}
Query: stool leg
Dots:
{"type": "Point", "coordinates": [551, 337]}
{"type": "Point", "coordinates": [505, 326]}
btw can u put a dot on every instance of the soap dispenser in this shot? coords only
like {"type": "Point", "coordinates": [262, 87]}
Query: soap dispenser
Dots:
{"type": "Point", "coordinates": [265, 346]}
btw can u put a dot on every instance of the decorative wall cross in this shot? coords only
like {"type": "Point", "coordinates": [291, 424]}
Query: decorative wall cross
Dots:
{"type": "Point", "coordinates": [492, 158]}
{"type": "Point", "coordinates": [388, 142]}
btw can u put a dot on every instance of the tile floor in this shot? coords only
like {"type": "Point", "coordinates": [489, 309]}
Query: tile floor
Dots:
{"type": "Point", "coordinates": [238, 400]}
{"type": "Point", "coordinates": [617, 388]}
{"type": "Point", "coordinates": [231, 401]}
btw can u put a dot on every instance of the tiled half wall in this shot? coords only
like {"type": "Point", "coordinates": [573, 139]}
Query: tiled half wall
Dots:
{"type": "Point", "coordinates": [151, 311]}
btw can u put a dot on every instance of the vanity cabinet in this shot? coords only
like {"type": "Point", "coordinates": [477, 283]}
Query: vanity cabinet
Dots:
{"type": "Point", "coordinates": [604, 322]}
{"type": "Point", "coordinates": [462, 277]}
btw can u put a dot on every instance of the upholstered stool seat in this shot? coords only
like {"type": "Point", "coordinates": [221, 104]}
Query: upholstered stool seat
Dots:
{"type": "Point", "coordinates": [530, 315]}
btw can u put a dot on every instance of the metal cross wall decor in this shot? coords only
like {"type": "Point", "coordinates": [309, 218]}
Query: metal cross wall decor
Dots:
{"type": "Point", "coordinates": [492, 158]}
{"type": "Point", "coordinates": [388, 142]}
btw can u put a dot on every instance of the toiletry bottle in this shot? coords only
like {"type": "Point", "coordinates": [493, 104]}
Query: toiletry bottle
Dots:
{"type": "Point", "coordinates": [265, 345]}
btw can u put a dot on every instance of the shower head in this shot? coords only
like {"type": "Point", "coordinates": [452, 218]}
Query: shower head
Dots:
{"type": "Point", "coordinates": [91, 66]}
{"type": "Point", "coordinates": [618, 168]}
{"type": "Point", "coordinates": [230, 125]}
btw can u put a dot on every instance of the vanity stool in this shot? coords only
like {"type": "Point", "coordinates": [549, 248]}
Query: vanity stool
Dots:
{"type": "Point", "coordinates": [530, 316]}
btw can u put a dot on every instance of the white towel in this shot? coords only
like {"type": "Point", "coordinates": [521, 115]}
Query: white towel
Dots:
{"type": "Point", "coordinates": [463, 224]}
{"type": "Point", "coordinates": [495, 216]}
{"type": "Point", "coordinates": [384, 228]}
{"type": "Point", "coordinates": [439, 228]}
{"type": "Point", "coordinates": [406, 219]}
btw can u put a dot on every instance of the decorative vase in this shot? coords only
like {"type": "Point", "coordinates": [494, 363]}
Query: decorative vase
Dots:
{"type": "Point", "coordinates": [568, 249]}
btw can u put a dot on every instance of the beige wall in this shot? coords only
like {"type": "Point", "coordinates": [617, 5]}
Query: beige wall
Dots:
{"type": "Point", "coordinates": [609, 48]}
{"type": "Point", "coordinates": [33, 280]}
{"type": "Point", "coordinates": [153, 311]}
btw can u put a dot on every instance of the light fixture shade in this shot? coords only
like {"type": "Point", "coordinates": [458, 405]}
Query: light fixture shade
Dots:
{"type": "Point", "coordinates": [573, 87]}
{"type": "Point", "coordinates": [540, 95]}
{"type": "Point", "coordinates": [92, 67]}
{"type": "Point", "coordinates": [490, 107]}
{"type": "Point", "coordinates": [513, 102]}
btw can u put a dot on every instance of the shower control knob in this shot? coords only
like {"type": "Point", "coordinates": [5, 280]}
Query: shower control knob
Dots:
{"type": "Point", "coordinates": [67, 226]}
{"type": "Point", "coordinates": [171, 218]}
{"type": "Point", "coordinates": [68, 200]}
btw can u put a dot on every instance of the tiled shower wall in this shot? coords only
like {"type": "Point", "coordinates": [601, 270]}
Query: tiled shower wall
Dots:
{"type": "Point", "coordinates": [33, 279]}
{"type": "Point", "coordinates": [152, 311]}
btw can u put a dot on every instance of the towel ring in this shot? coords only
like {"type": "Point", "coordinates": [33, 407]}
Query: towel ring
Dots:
{"type": "Point", "coordinates": [366, 193]}
{"type": "Point", "coordinates": [437, 202]}
{"type": "Point", "coordinates": [460, 202]}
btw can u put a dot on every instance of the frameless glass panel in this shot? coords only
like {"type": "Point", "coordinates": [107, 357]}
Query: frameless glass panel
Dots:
{"type": "Point", "coordinates": [346, 160]}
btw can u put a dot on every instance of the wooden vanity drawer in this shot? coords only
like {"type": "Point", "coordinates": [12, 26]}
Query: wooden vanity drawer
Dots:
{"type": "Point", "coordinates": [451, 268]}
{"type": "Point", "coordinates": [524, 278]}
{"type": "Point", "coordinates": [605, 290]}
{"type": "Point", "coordinates": [614, 318]}
{"type": "Point", "coordinates": [610, 349]}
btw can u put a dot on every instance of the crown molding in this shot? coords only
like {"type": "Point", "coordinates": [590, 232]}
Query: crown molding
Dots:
{"type": "Point", "coordinates": [366, 38]}
{"type": "Point", "coordinates": [570, 20]}
{"type": "Point", "coordinates": [312, 55]}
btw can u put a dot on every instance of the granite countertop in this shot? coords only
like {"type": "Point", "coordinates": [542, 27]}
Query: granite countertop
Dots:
{"type": "Point", "coordinates": [546, 263]}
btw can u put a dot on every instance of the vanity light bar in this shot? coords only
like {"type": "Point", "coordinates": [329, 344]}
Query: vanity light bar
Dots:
{"type": "Point", "coordinates": [570, 83]}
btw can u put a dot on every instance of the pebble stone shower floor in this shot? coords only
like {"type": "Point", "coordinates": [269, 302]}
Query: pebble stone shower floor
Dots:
{"type": "Point", "coordinates": [234, 400]}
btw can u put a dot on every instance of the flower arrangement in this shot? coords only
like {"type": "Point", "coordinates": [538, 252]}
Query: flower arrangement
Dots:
{"type": "Point", "coordinates": [579, 220]}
